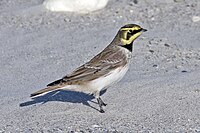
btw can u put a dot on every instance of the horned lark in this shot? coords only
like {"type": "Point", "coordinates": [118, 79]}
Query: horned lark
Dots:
{"type": "Point", "coordinates": [104, 69]}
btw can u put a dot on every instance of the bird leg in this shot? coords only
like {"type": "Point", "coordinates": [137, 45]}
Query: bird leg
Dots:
{"type": "Point", "coordinates": [101, 103]}
{"type": "Point", "coordinates": [104, 104]}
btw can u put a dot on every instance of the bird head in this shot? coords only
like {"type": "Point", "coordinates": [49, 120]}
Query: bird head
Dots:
{"type": "Point", "coordinates": [128, 33]}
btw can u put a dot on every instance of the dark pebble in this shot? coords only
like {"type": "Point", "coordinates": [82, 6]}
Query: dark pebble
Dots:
{"type": "Point", "coordinates": [184, 71]}
{"type": "Point", "coordinates": [151, 51]}
{"type": "Point", "coordinates": [167, 45]}
{"type": "Point", "coordinates": [155, 65]}
{"type": "Point", "coordinates": [135, 1]}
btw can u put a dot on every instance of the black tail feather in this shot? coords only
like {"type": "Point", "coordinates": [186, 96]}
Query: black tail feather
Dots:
{"type": "Point", "coordinates": [35, 94]}
{"type": "Point", "coordinates": [56, 82]}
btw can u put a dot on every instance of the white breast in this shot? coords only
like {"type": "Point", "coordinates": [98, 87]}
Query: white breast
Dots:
{"type": "Point", "coordinates": [113, 77]}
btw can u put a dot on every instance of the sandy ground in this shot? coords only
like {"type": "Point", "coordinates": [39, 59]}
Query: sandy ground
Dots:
{"type": "Point", "coordinates": [160, 92]}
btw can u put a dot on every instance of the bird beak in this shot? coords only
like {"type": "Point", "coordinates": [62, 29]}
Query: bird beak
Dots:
{"type": "Point", "coordinates": [144, 30]}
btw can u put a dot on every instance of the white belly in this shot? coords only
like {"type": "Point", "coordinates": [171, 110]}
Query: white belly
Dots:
{"type": "Point", "coordinates": [100, 83]}
{"type": "Point", "coordinates": [113, 77]}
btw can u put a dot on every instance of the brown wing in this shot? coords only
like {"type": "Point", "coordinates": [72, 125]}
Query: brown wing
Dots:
{"type": "Point", "coordinates": [100, 65]}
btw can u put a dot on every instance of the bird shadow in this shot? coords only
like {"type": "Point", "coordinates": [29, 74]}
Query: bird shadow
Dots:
{"type": "Point", "coordinates": [63, 96]}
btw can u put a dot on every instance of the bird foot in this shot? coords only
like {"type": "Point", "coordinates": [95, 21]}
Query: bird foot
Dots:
{"type": "Point", "coordinates": [101, 103]}
{"type": "Point", "coordinates": [102, 111]}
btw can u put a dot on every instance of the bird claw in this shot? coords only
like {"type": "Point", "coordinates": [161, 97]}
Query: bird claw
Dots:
{"type": "Point", "coordinates": [102, 111]}
{"type": "Point", "coordinates": [101, 103]}
{"type": "Point", "coordinates": [104, 104]}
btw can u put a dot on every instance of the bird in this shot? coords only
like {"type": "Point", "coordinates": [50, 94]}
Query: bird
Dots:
{"type": "Point", "coordinates": [79, 6]}
{"type": "Point", "coordinates": [103, 70]}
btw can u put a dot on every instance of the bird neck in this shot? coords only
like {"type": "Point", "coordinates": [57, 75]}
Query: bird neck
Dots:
{"type": "Point", "coordinates": [117, 41]}
{"type": "Point", "coordinates": [128, 46]}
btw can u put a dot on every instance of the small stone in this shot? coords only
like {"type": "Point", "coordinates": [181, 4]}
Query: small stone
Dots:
{"type": "Point", "coordinates": [131, 11]}
{"type": "Point", "coordinates": [178, 0]}
{"type": "Point", "coordinates": [155, 65]}
{"type": "Point", "coordinates": [95, 126]}
{"type": "Point", "coordinates": [195, 19]}
{"type": "Point", "coordinates": [193, 5]}
{"type": "Point", "coordinates": [197, 90]}
{"type": "Point", "coordinates": [152, 18]}
{"type": "Point", "coordinates": [183, 71]}
{"type": "Point", "coordinates": [131, 4]}
{"type": "Point", "coordinates": [135, 1]}
{"type": "Point", "coordinates": [177, 67]}
{"type": "Point", "coordinates": [151, 51]}
{"type": "Point", "coordinates": [167, 45]}
{"type": "Point", "coordinates": [66, 19]}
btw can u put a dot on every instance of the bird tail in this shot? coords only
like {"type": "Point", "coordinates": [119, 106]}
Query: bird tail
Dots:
{"type": "Point", "coordinates": [45, 90]}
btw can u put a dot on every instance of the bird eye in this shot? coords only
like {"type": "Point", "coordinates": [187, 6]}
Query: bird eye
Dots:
{"type": "Point", "coordinates": [130, 31]}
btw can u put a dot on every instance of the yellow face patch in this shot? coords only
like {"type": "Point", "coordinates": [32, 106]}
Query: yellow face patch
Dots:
{"type": "Point", "coordinates": [127, 29]}
{"type": "Point", "coordinates": [133, 37]}
{"type": "Point", "coordinates": [126, 36]}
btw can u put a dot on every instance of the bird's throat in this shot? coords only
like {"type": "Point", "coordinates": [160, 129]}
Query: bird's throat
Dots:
{"type": "Point", "coordinates": [129, 46]}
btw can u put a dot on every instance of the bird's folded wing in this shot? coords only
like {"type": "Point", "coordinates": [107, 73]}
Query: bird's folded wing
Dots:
{"type": "Point", "coordinates": [100, 65]}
